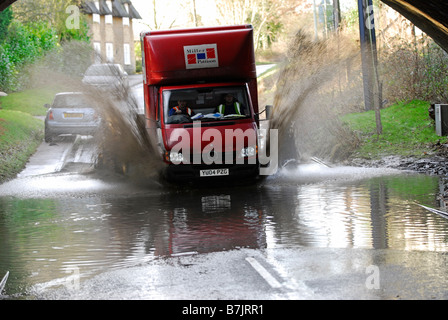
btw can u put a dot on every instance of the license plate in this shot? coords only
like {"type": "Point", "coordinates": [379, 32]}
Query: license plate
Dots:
{"type": "Point", "coordinates": [214, 172]}
{"type": "Point", "coordinates": [73, 115]}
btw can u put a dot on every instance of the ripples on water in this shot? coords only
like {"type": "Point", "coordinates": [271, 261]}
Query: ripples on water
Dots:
{"type": "Point", "coordinates": [46, 238]}
{"type": "Point", "coordinates": [362, 208]}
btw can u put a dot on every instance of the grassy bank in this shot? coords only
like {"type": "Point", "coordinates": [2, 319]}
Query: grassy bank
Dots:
{"type": "Point", "coordinates": [20, 135]}
{"type": "Point", "coordinates": [20, 132]}
{"type": "Point", "coordinates": [29, 101]}
{"type": "Point", "coordinates": [407, 131]}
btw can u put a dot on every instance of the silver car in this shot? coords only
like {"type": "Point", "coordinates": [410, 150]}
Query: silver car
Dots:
{"type": "Point", "coordinates": [70, 114]}
{"type": "Point", "coordinates": [106, 76]}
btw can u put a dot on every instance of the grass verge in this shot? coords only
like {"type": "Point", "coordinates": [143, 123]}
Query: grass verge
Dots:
{"type": "Point", "coordinates": [29, 101]}
{"type": "Point", "coordinates": [20, 132]}
{"type": "Point", "coordinates": [407, 131]}
{"type": "Point", "coordinates": [20, 135]}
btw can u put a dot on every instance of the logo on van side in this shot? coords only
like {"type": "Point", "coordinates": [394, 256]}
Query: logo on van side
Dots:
{"type": "Point", "coordinates": [201, 56]}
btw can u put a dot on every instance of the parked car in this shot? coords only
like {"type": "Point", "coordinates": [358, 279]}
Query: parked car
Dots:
{"type": "Point", "coordinates": [69, 114]}
{"type": "Point", "coordinates": [106, 76]}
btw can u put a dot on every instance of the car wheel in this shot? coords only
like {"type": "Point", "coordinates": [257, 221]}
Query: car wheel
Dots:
{"type": "Point", "coordinates": [47, 137]}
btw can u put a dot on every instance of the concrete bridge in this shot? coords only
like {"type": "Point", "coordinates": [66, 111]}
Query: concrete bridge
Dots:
{"type": "Point", "coordinates": [429, 16]}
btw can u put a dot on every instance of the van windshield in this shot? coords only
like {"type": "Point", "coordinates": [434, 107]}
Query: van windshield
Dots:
{"type": "Point", "coordinates": [205, 104]}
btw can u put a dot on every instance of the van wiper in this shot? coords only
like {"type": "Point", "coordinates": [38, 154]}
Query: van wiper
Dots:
{"type": "Point", "coordinates": [217, 116]}
{"type": "Point", "coordinates": [234, 116]}
{"type": "Point", "coordinates": [209, 116]}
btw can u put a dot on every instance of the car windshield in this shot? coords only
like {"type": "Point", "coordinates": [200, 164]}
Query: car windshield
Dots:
{"type": "Point", "coordinates": [103, 70]}
{"type": "Point", "coordinates": [70, 101]}
{"type": "Point", "coordinates": [205, 104]}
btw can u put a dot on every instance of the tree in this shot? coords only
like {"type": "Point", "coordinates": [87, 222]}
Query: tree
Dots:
{"type": "Point", "coordinates": [23, 44]}
{"type": "Point", "coordinates": [160, 21]}
{"type": "Point", "coordinates": [5, 20]}
{"type": "Point", "coordinates": [53, 12]}
{"type": "Point", "coordinates": [263, 15]}
{"type": "Point", "coordinates": [194, 14]}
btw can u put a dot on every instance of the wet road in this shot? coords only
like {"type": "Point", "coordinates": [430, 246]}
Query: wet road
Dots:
{"type": "Point", "coordinates": [308, 232]}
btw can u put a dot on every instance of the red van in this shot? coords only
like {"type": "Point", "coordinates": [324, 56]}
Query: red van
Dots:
{"type": "Point", "coordinates": [201, 102]}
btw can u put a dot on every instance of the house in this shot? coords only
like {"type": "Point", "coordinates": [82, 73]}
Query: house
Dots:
{"type": "Point", "coordinates": [111, 28]}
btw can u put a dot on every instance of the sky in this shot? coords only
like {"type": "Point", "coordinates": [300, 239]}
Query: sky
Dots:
{"type": "Point", "coordinates": [176, 10]}
{"type": "Point", "coordinates": [169, 11]}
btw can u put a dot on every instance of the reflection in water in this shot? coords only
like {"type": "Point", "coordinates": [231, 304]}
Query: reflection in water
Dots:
{"type": "Point", "coordinates": [378, 213]}
{"type": "Point", "coordinates": [43, 239]}
{"type": "Point", "coordinates": [214, 223]}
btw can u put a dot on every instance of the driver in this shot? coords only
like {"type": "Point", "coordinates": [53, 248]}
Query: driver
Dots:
{"type": "Point", "coordinates": [181, 108]}
{"type": "Point", "coordinates": [230, 105]}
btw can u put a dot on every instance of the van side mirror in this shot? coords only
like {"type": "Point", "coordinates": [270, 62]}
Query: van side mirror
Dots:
{"type": "Point", "coordinates": [267, 109]}
{"type": "Point", "coordinates": [46, 106]}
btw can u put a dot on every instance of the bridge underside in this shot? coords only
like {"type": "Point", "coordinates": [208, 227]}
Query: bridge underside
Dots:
{"type": "Point", "coordinates": [429, 16]}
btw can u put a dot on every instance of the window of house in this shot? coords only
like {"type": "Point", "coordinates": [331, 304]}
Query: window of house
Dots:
{"type": "Point", "coordinates": [108, 17]}
{"type": "Point", "coordinates": [127, 54]}
{"type": "Point", "coordinates": [110, 52]}
{"type": "Point", "coordinates": [96, 16]}
{"type": "Point", "coordinates": [97, 48]}
{"type": "Point", "coordinates": [126, 19]}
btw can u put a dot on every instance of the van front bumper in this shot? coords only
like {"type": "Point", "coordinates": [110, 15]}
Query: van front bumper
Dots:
{"type": "Point", "coordinates": [185, 173]}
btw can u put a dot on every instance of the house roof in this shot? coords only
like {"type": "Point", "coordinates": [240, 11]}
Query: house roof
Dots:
{"type": "Point", "coordinates": [118, 8]}
{"type": "Point", "coordinates": [104, 9]}
{"type": "Point", "coordinates": [89, 8]}
{"type": "Point", "coordinates": [133, 12]}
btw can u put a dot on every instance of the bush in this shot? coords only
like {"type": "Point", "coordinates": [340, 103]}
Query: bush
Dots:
{"type": "Point", "coordinates": [23, 44]}
{"type": "Point", "coordinates": [416, 71]}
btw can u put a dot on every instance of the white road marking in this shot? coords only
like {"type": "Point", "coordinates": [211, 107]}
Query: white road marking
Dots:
{"type": "Point", "coordinates": [79, 153]}
{"type": "Point", "coordinates": [63, 158]}
{"type": "Point", "coordinates": [264, 273]}
{"type": "Point", "coordinates": [3, 282]}
{"type": "Point", "coordinates": [190, 253]}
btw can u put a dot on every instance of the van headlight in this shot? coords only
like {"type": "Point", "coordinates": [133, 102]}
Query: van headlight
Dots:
{"type": "Point", "coordinates": [250, 151]}
{"type": "Point", "coordinates": [176, 157]}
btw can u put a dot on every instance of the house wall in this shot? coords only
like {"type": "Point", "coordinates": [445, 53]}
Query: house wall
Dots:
{"type": "Point", "coordinates": [103, 34]}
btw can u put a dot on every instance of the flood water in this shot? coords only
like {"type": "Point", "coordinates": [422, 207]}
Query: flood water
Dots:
{"type": "Point", "coordinates": [52, 226]}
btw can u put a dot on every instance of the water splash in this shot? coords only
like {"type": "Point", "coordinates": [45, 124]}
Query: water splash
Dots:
{"type": "Point", "coordinates": [318, 81]}
{"type": "Point", "coordinates": [122, 143]}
